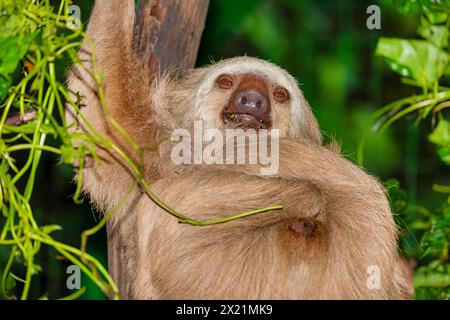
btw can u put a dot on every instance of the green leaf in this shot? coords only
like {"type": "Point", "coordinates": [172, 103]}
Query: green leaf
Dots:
{"type": "Point", "coordinates": [441, 137]}
{"type": "Point", "coordinates": [420, 6]}
{"type": "Point", "coordinates": [444, 154]}
{"type": "Point", "coordinates": [408, 6]}
{"type": "Point", "coordinates": [438, 35]}
{"type": "Point", "coordinates": [441, 134]}
{"type": "Point", "coordinates": [12, 50]}
{"type": "Point", "coordinates": [420, 60]}
{"type": "Point", "coordinates": [437, 17]}
{"type": "Point", "coordinates": [51, 228]}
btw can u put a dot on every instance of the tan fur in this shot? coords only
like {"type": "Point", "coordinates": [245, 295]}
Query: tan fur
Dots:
{"type": "Point", "coordinates": [256, 257]}
{"type": "Point", "coordinates": [259, 257]}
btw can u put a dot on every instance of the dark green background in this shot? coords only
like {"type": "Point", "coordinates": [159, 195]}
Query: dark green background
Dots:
{"type": "Point", "coordinates": [328, 48]}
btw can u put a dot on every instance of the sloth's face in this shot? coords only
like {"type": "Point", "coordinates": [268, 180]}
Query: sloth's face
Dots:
{"type": "Point", "coordinates": [251, 99]}
{"type": "Point", "coordinates": [248, 93]}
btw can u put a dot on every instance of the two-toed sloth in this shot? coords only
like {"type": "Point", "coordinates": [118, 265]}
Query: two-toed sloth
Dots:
{"type": "Point", "coordinates": [334, 238]}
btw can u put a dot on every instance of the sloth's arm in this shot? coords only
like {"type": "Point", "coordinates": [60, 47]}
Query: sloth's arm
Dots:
{"type": "Point", "coordinates": [301, 159]}
{"type": "Point", "coordinates": [315, 225]}
{"type": "Point", "coordinates": [122, 82]}
{"type": "Point", "coordinates": [120, 77]}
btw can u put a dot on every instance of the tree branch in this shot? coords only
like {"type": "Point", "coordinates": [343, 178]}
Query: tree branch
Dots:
{"type": "Point", "coordinates": [167, 32]}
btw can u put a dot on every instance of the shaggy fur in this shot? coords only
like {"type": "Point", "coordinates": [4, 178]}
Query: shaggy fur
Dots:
{"type": "Point", "coordinates": [261, 256]}
{"type": "Point", "coordinates": [336, 220]}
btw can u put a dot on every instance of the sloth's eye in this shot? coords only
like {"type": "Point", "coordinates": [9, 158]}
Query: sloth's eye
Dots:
{"type": "Point", "coordinates": [225, 81]}
{"type": "Point", "coordinates": [281, 94]}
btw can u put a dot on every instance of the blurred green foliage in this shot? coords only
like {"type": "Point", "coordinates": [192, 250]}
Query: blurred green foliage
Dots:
{"type": "Point", "coordinates": [36, 41]}
{"type": "Point", "coordinates": [326, 45]}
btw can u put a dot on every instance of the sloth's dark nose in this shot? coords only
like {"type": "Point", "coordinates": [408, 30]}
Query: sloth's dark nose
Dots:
{"type": "Point", "coordinates": [251, 101]}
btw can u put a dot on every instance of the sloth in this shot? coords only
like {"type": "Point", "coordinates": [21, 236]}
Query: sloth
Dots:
{"type": "Point", "coordinates": [241, 92]}
{"type": "Point", "coordinates": [335, 237]}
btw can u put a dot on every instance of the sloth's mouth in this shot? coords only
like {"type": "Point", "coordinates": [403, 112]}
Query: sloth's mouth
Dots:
{"type": "Point", "coordinates": [244, 120]}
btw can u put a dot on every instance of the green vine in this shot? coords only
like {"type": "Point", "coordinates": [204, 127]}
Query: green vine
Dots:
{"type": "Point", "coordinates": [34, 37]}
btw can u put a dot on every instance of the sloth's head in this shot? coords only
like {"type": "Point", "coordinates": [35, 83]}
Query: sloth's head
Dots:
{"type": "Point", "coordinates": [246, 92]}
